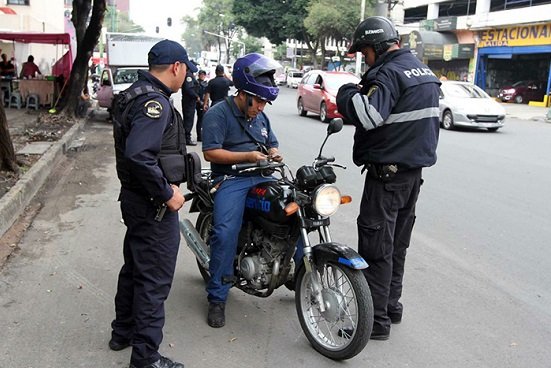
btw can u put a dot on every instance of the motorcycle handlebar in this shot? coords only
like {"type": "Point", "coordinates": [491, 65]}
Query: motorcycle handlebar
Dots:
{"type": "Point", "coordinates": [259, 165]}
{"type": "Point", "coordinates": [320, 161]}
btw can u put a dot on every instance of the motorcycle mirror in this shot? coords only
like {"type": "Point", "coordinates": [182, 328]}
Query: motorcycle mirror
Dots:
{"type": "Point", "coordinates": [335, 126]}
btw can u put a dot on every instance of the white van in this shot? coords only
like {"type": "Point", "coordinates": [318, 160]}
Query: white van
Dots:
{"type": "Point", "coordinates": [294, 78]}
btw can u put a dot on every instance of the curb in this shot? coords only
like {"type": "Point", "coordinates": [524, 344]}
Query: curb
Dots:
{"type": "Point", "coordinates": [20, 195]}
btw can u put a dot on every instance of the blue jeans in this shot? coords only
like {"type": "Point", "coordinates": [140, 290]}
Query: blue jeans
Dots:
{"type": "Point", "coordinates": [229, 205]}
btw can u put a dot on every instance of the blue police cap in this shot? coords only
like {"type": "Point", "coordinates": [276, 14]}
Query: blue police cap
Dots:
{"type": "Point", "coordinates": [168, 52]}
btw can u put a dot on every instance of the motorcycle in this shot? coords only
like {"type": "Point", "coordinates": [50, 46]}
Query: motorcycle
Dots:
{"type": "Point", "coordinates": [332, 296]}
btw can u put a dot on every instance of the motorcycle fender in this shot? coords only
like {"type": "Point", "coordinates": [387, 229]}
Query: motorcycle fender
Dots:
{"type": "Point", "coordinates": [338, 253]}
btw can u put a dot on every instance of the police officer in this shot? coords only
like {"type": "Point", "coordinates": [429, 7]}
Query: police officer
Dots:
{"type": "Point", "coordinates": [217, 88]}
{"type": "Point", "coordinates": [190, 98]}
{"type": "Point", "coordinates": [201, 89]}
{"type": "Point", "coordinates": [146, 126]}
{"type": "Point", "coordinates": [395, 112]}
{"type": "Point", "coordinates": [236, 131]}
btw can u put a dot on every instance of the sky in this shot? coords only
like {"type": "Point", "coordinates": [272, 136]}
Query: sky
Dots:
{"type": "Point", "coordinates": [149, 17]}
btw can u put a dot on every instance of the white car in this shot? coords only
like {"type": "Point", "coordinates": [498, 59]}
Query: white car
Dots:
{"type": "Point", "coordinates": [294, 78]}
{"type": "Point", "coordinates": [463, 104]}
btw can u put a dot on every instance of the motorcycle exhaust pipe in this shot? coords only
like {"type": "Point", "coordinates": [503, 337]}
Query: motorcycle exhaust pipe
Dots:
{"type": "Point", "coordinates": [195, 243]}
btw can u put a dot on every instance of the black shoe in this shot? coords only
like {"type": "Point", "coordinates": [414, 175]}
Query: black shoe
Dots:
{"type": "Point", "coordinates": [189, 142]}
{"type": "Point", "coordinates": [118, 345]}
{"type": "Point", "coordinates": [380, 333]}
{"type": "Point", "coordinates": [161, 363]}
{"type": "Point", "coordinates": [216, 316]}
{"type": "Point", "coordinates": [395, 317]}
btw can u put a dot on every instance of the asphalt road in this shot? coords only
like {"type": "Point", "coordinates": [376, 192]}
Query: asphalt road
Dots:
{"type": "Point", "coordinates": [477, 284]}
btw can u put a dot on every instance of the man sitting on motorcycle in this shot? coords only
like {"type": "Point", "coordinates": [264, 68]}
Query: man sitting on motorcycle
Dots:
{"type": "Point", "coordinates": [236, 131]}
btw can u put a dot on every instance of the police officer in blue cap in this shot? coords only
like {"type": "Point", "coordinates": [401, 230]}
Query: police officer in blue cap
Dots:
{"type": "Point", "coordinates": [395, 112]}
{"type": "Point", "coordinates": [149, 147]}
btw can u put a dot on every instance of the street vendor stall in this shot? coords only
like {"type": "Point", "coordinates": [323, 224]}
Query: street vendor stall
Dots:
{"type": "Point", "coordinates": [46, 87]}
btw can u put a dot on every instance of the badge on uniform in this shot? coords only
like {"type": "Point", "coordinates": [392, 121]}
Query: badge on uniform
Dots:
{"type": "Point", "coordinates": [188, 79]}
{"type": "Point", "coordinates": [153, 109]}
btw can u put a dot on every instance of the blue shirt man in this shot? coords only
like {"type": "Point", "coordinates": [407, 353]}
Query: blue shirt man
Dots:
{"type": "Point", "coordinates": [236, 131]}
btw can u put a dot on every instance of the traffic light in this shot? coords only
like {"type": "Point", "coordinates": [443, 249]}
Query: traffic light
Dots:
{"type": "Point", "coordinates": [157, 29]}
{"type": "Point", "coordinates": [169, 21]}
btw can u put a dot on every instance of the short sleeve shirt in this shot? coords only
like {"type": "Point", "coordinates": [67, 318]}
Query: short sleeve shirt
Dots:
{"type": "Point", "coordinates": [224, 128]}
{"type": "Point", "coordinates": [218, 88]}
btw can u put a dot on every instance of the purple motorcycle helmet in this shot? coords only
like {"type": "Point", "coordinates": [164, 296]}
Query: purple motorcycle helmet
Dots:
{"type": "Point", "coordinates": [254, 74]}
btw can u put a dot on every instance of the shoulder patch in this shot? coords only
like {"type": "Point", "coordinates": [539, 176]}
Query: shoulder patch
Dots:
{"type": "Point", "coordinates": [153, 109]}
{"type": "Point", "coordinates": [188, 79]}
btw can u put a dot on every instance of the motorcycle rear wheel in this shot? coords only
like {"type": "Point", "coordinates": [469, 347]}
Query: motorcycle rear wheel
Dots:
{"type": "Point", "coordinates": [343, 329]}
{"type": "Point", "coordinates": [204, 226]}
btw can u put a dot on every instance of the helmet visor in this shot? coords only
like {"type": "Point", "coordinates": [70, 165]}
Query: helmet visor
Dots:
{"type": "Point", "coordinates": [262, 66]}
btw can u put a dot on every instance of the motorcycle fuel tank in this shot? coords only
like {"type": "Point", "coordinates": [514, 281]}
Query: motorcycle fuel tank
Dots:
{"type": "Point", "coordinates": [268, 200]}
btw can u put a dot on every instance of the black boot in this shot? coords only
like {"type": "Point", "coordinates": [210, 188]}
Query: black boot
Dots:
{"type": "Point", "coordinates": [216, 317]}
{"type": "Point", "coordinates": [162, 363]}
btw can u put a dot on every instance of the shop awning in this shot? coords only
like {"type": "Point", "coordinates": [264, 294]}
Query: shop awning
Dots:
{"type": "Point", "coordinates": [433, 45]}
{"type": "Point", "coordinates": [35, 37]}
{"type": "Point", "coordinates": [6, 10]}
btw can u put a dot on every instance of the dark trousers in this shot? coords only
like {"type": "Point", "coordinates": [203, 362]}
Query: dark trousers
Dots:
{"type": "Point", "coordinates": [385, 223]}
{"type": "Point", "coordinates": [188, 110]}
{"type": "Point", "coordinates": [150, 250]}
{"type": "Point", "coordinates": [199, 123]}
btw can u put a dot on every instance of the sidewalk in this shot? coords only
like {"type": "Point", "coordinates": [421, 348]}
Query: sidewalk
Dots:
{"type": "Point", "coordinates": [525, 112]}
{"type": "Point", "coordinates": [13, 203]}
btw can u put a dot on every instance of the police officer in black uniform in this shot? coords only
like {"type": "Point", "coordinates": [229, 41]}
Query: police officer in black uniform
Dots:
{"type": "Point", "coordinates": [148, 129]}
{"type": "Point", "coordinates": [190, 98]}
{"type": "Point", "coordinates": [395, 112]}
{"type": "Point", "coordinates": [217, 88]}
{"type": "Point", "coordinates": [201, 89]}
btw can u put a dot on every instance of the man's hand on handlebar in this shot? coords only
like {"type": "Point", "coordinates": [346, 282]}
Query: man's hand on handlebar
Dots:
{"type": "Point", "coordinates": [255, 156]}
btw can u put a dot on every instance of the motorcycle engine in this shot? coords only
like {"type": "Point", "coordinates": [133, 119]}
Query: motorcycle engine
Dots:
{"type": "Point", "coordinates": [257, 266]}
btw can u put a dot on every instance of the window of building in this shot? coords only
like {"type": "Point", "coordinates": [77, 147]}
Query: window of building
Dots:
{"type": "Point", "coordinates": [456, 8]}
{"type": "Point", "coordinates": [413, 15]}
{"type": "Point", "coordinates": [497, 5]}
{"type": "Point", "coordinates": [18, 2]}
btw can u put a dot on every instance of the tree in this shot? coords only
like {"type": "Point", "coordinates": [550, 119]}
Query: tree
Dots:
{"type": "Point", "coordinates": [193, 37]}
{"type": "Point", "coordinates": [116, 21]}
{"type": "Point", "coordinates": [87, 34]}
{"type": "Point", "coordinates": [216, 17]}
{"type": "Point", "coordinates": [7, 153]}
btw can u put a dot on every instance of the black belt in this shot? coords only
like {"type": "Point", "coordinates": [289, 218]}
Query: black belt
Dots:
{"type": "Point", "coordinates": [383, 172]}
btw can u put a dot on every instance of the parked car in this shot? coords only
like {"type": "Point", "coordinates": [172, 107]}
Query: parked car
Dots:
{"type": "Point", "coordinates": [293, 78]}
{"type": "Point", "coordinates": [463, 104]}
{"type": "Point", "coordinates": [317, 90]}
{"type": "Point", "coordinates": [281, 79]}
{"type": "Point", "coordinates": [522, 92]}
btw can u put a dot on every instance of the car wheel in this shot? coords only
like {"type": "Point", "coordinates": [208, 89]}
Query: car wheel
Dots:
{"type": "Point", "coordinates": [519, 99]}
{"type": "Point", "coordinates": [493, 129]}
{"type": "Point", "coordinates": [447, 120]}
{"type": "Point", "coordinates": [300, 108]}
{"type": "Point", "coordinates": [323, 113]}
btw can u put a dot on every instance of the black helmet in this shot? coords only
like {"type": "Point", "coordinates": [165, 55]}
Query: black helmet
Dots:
{"type": "Point", "coordinates": [378, 32]}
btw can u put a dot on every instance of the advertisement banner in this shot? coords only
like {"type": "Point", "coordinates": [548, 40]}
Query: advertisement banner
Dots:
{"type": "Point", "coordinates": [523, 35]}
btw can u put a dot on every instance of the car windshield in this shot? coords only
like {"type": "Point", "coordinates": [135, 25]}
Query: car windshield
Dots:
{"type": "Point", "coordinates": [126, 76]}
{"type": "Point", "coordinates": [335, 81]}
{"type": "Point", "coordinates": [296, 75]}
{"type": "Point", "coordinates": [464, 90]}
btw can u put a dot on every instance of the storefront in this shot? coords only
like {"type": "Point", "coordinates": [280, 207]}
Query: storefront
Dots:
{"type": "Point", "coordinates": [512, 54]}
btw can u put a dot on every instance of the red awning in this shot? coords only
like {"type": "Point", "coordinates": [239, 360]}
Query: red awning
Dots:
{"type": "Point", "coordinates": [7, 10]}
{"type": "Point", "coordinates": [35, 37]}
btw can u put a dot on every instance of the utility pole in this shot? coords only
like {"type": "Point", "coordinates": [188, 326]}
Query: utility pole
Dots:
{"type": "Point", "coordinates": [359, 54]}
{"type": "Point", "coordinates": [230, 39]}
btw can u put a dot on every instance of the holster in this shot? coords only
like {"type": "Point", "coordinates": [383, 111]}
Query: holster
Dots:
{"type": "Point", "coordinates": [173, 166]}
{"type": "Point", "coordinates": [384, 173]}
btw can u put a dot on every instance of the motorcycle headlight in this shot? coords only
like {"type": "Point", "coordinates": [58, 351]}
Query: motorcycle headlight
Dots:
{"type": "Point", "coordinates": [326, 200]}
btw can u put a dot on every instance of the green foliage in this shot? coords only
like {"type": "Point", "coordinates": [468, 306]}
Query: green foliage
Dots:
{"type": "Point", "coordinates": [216, 17]}
{"type": "Point", "coordinates": [193, 37]}
{"type": "Point", "coordinates": [276, 20]}
{"type": "Point", "coordinates": [115, 21]}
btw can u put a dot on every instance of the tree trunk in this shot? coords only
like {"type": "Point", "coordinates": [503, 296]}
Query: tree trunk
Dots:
{"type": "Point", "coordinates": [7, 153]}
{"type": "Point", "coordinates": [87, 38]}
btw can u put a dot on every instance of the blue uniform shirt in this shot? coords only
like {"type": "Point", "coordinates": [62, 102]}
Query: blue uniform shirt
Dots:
{"type": "Point", "coordinates": [149, 116]}
{"type": "Point", "coordinates": [224, 127]}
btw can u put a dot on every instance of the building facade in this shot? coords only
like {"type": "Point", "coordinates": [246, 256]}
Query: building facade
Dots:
{"type": "Point", "coordinates": [492, 43]}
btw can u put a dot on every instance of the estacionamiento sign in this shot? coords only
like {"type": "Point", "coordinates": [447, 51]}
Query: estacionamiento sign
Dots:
{"type": "Point", "coordinates": [529, 35]}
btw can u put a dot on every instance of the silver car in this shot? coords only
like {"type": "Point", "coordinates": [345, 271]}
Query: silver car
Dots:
{"type": "Point", "coordinates": [463, 104]}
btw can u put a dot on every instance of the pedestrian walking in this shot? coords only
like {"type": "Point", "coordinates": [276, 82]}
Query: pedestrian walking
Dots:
{"type": "Point", "coordinates": [148, 133]}
{"type": "Point", "coordinates": [395, 112]}
{"type": "Point", "coordinates": [217, 88]}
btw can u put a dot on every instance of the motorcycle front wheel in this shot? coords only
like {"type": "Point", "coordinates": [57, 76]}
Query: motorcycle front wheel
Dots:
{"type": "Point", "coordinates": [343, 329]}
{"type": "Point", "coordinates": [204, 226]}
